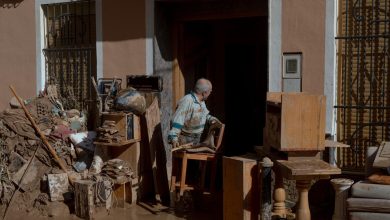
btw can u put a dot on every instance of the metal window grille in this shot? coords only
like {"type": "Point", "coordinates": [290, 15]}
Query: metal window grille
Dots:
{"type": "Point", "coordinates": [70, 50]}
{"type": "Point", "coordinates": [363, 96]}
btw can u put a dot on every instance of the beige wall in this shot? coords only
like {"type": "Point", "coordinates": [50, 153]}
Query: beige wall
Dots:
{"type": "Point", "coordinates": [124, 45]}
{"type": "Point", "coordinates": [303, 30]}
{"type": "Point", "coordinates": [17, 50]}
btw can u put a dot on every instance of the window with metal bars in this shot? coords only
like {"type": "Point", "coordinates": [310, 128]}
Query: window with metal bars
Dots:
{"type": "Point", "coordinates": [70, 50]}
{"type": "Point", "coordinates": [363, 78]}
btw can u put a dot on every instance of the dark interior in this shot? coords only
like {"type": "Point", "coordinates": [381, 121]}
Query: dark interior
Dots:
{"type": "Point", "coordinates": [232, 53]}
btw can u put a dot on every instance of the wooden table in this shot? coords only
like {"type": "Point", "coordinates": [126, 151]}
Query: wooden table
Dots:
{"type": "Point", "coordinates": [304, 171]}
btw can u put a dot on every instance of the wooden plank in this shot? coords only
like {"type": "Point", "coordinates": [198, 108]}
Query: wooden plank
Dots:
{"type": "Point", "coordinates": [240, 188]}
{"type": "Point", "coordinates": [382, 158]}
{"type": "Point", "coordinates": [157, 151]}
{"type": "Point", "coordinates": [122, 144]}
{"type": "Point", "coordinates": [330, 143]}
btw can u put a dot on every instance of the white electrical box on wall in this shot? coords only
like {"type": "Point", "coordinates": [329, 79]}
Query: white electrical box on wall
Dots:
{"type": "Point", "coordinates": [292, 72]}
{"type": "Point", "coordinates": [292, 63]}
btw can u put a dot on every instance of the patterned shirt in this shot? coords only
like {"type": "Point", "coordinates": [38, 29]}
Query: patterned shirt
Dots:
{"type": "Point", "coordinates": [190, 117]}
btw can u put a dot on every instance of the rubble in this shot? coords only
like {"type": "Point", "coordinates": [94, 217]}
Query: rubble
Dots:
{"type": "Point", "coordinates": [29, 173]}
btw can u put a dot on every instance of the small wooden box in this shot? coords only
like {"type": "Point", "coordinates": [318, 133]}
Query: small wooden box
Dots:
{"type": "Point", "coordinates": [128, 125]}
{"type": "Point", "coordinates": [295, 121]}
{"type": "Point", "coordinates": [123, 194]}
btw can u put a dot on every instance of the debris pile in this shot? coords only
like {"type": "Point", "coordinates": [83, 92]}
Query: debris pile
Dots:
{"type": "Point", "coordinates": [28, 170]}
{"type": "Point", "coordinates": [118, 170]}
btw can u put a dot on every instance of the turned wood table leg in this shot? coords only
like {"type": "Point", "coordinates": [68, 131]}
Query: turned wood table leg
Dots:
{"type": "Point", "coordinates": [279, 194]}
{"type": "Point", "coordinates": [303, 211]}
{"type": "Point", "coordinates": [341, 187]}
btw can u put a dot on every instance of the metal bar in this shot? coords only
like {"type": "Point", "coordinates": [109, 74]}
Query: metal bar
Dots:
{"type": "Point", "coordinates": [346, 37]}
{"type": "Point", "coordinates": [70, 49]}
{"type": "Point", "coordinates": [361, 107]}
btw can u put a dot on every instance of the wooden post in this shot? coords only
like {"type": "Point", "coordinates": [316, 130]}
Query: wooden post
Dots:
{"type": "Point", "coordinates": [84, 199]}
{"type": "Point", "coordinates": [341, 187]}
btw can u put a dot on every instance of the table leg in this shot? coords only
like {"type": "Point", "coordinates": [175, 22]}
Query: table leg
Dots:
{"type": "Point", "coordinates": [341, 187]}
{"type": "Point", "coordinates": [279, 194]}
{"type": "Point", "coordinates": [303, 211]}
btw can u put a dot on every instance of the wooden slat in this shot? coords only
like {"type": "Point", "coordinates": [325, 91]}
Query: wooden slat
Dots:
{"type": "Point", "coordinates": [157, 151]}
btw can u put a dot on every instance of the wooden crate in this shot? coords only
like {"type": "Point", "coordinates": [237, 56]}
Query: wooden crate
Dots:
{"type": "Point", "coordinates": [123, 194]}
{"type": "Point", "coordinates": [241, 195]}
{"type": "Point", "coordinates": [295, 121]}
{"type": "Point", "coordinates": [128, 125]}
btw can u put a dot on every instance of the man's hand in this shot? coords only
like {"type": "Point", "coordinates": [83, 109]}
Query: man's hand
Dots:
{"type": "Point", "coordinates": [215, 121]}
{"type": "Point", "coordinates": [175, 144]}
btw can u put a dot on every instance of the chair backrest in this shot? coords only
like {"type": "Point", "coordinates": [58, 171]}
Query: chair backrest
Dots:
{"type": "Point", "coordinates": [218, 136]}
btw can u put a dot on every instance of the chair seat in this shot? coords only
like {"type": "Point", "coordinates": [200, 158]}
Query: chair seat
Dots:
{"type": "Point", "coordinates": [194, 156]}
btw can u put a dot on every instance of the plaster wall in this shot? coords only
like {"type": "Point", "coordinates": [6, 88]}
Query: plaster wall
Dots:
{"type": "Point", "coordinates": [303, 30]}
{"type": "Point", "coordinates": [17, 49]}
{"type": "Point", "coordinates": [124, 33]}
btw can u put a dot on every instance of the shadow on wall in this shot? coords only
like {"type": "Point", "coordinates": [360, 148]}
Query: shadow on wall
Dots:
{"type": "Point", "coordinates": [10, 3]}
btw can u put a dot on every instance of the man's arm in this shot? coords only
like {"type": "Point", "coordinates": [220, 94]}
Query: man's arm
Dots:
{"type": "Point", "coordinates": [178, 121]}
{"type": "Point", "coordinates": [211, 120]}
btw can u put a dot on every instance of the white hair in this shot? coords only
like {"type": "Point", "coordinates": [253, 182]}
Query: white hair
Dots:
{"type": "Point", "coordinates": [202, 85]}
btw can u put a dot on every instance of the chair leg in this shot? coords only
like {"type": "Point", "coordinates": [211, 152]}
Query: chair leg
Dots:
{"type": "Point", "coordinates": [203, 174]}
{"type": "Point", "coordinates": [174, 173]}
{"type": "Point", "coordinates": [213, 175]}
{"type": "Point", "coordinates": [183, 174]}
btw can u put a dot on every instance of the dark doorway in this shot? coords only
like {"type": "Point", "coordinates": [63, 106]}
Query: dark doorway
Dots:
{"type": "Point", "coordinates": [232, 53]}
{"type": "Point", "coordinates": [245, 87]}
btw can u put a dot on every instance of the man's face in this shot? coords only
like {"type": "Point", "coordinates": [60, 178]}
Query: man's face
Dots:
{"type": "Point", "coordinates": [206, 95]}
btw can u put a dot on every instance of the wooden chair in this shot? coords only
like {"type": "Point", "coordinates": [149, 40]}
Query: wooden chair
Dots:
{"type": "Point", "coordinates": [184, 156]}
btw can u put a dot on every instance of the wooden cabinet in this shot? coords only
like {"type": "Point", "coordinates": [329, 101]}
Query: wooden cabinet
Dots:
{"type": "Point", "coordinates": [295, 121]}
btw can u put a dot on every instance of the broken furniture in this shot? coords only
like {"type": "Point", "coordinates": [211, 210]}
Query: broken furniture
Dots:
{"type": "Point", "coordinates": [154, 149]}
{"type": "Point", "coordinates": [371, 200]}
{"type": "Point", "coordinates": [294, 135]}
{"type": "Point", "coordinates": [121, 175]}
{"type": "Point", "coordinates": [118, 129]}
{"type": "Point", "coordinates": [119, 137]}
{"type": "Point", "coordinates": [182, 157]}
{"type": "Point", "coordinates": [145, 83]}
{"type": "Point", "coordinates": [304, 171]}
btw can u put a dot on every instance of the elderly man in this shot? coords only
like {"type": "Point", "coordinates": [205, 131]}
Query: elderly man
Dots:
{"type": "Point", "coordinates": [191, 116]}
